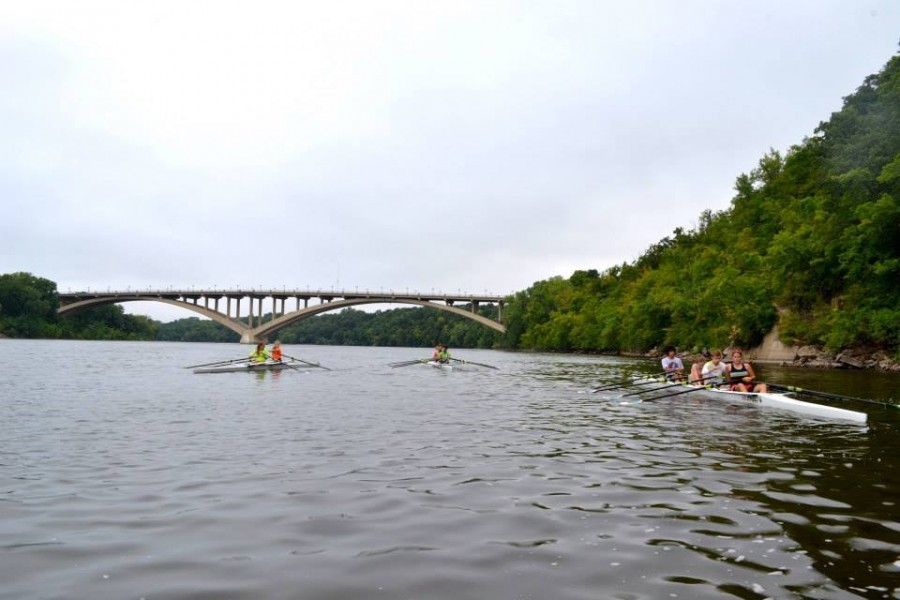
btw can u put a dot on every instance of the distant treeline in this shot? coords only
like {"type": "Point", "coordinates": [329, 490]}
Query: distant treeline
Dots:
{"type": "Point", "coordinates": [811, 243]}
{"type": "Point", "coordinates": [350, 327]}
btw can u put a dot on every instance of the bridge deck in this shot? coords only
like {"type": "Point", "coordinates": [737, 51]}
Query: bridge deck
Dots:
{"type": "Point", "coordinates": [303, 294]}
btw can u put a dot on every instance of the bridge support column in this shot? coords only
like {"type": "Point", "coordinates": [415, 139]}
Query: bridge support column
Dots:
{"type": "Point", "coordinates": [248, 337]}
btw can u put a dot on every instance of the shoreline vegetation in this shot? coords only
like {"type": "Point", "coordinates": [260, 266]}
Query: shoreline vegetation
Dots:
{"type": "Point", "coordinates": [801, 269]}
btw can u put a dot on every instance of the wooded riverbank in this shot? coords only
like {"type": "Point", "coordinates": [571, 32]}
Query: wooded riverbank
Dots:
{"type": "Point", "coordinates": [810, 245]}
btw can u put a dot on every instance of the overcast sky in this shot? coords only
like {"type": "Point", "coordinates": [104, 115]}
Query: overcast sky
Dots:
{"type": "Point", "coordinates": [449, 145]}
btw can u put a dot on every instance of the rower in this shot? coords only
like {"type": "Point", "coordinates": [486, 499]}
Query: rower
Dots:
{"type": "Point", "coordinates": [276, 351]}
{"type": "Point", "coordinates": [715, 372]}
{"type": "Point", "coordinates": [672, 365]}
{"type": "Point", "coordinates": [741, 375]}
{"type": "Point", "coordinates": [259, 355]}
{"type": "Point", "coordinates": [441, 354]}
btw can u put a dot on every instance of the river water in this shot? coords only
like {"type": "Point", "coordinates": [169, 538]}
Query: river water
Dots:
{"type": "Point", "coordinates": [123, 475]}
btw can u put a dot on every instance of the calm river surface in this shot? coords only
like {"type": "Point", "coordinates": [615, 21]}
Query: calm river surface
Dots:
{"type": "Point", "coordinates": [123, 475]}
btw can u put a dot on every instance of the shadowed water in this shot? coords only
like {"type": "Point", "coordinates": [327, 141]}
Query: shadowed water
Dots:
{"type": "Point", "coordinates": [123, 475]}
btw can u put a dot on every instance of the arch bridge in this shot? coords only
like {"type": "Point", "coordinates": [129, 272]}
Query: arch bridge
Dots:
{"type": "Point", "coordinates": [256, 325]}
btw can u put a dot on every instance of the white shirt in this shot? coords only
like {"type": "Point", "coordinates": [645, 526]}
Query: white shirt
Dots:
{"type": "Point", "coordinates": [714, 374]}
{"type": "Point", "coordinates": [672, 364]}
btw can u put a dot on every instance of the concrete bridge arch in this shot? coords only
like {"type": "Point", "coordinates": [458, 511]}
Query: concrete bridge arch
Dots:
{"type": "Point", "coordinates": [257, 330]}
{"type": "Point", "coordinates": [272, 326]}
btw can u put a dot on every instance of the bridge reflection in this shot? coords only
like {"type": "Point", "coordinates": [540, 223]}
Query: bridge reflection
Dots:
{"type": "Point", "coordinates": [244, 311]}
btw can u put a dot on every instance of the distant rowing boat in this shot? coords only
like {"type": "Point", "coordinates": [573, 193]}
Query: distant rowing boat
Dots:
{"type": "Point", "coordinates": [440, 365]}
{"type": "Point", "coordinates": [774, 400]}
{"type": "Point", "coordinates": [255, 367]}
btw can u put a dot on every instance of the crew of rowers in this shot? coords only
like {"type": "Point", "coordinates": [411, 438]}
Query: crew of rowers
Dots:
{"type": "Point", "coordinates": [261, 355]}
{"type": "Point", "coordinates": [736, 375]}
{"type": "Point", "coordinates": [441, 354]}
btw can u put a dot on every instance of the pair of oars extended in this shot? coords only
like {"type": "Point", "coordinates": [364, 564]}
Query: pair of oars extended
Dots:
{"type": "Point", "coordinates": [617, 386]}
{"type": "Point", "coordinates": [222, 363]}
{"type": "Point", "coordinates": [681, 387]}
{"type": "Point", "coordinates": [408, 363]}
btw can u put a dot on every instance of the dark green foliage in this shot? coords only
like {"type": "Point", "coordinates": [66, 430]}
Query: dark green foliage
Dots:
{"type": "Point", "coordinates": [395, 327]}
{"type": "Point", "coordinates": [814, 232]}
{"type": "Point", "coordinates": [107, 322]}
{"type": "Point", "coordinates": [28, 306]}
{"type": "Point", "coordinates": [193, 329]}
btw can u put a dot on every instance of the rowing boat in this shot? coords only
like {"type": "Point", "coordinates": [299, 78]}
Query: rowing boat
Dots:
{"type": "Point", "coordinates": [439, 365]}
{"type": "Point", "coordinates": [773, 400]}
{"type": "Point", "coordinates": [254, 367]}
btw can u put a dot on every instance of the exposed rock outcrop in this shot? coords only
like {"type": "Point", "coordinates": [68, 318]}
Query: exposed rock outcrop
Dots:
{"type": "Point", "coordinates": [773, 350]}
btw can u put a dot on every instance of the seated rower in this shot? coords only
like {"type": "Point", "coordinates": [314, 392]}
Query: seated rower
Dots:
{"type": "Point", "coordinates": [715, 372]}
{"type": "Point", "coordinates": [696, 376]}
{"type": "Point", "coordinates": [441, 354]}
{"type": "Point", "coordinates": [259, 355]}
{"type": "Point", "coordinates": [276, 351]}
{"type": "Point", "coordinates": [672, 365]}
{"type": "Point", "coordinates": [741, 376]}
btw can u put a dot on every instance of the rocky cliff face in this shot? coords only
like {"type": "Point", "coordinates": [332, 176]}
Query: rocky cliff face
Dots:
{"type": "Point", "coordinates": [773, 350]}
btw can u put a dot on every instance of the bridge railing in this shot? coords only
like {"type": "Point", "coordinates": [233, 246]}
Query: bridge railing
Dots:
{"type": "Point", "coordinates": [284, 291]}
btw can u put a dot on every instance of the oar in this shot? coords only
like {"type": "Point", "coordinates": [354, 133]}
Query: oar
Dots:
{"type": "Point", "coordinates": [620, 385]}
{"type": "Point", "coordinates": [614, 386]}
{"type": "Point", "coordinates": [690, 388]}
{"type": "Point", "coordinates": [469, 362]}
{"type": "Point", "coordinates": [408, 363]}
{"type": "Point", "coordinates": [306, 362]}
{"type": "Point", "coordinates": [221, 362]}
{"type": "Point", "coordinates": [814, 393]}
{"type": "Point", "coordinates": [644, 391]}
{"type": "Point", "coordinates": [668, 387]}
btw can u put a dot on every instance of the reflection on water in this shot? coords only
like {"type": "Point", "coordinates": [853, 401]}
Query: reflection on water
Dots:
{"type": "Point", "coordinates": [125, 476]}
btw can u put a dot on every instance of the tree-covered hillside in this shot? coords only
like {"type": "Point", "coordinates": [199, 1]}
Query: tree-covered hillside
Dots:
{"type": "Point", "coordinates": [28, 306]}
{"type": "Point", "coordinates": [811, 242]}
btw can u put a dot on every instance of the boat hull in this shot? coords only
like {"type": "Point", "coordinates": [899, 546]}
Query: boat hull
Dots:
{"type": "Point", "coordinates": [252, 368]}
{"type": "Point", "coordinates": [773, 400]}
